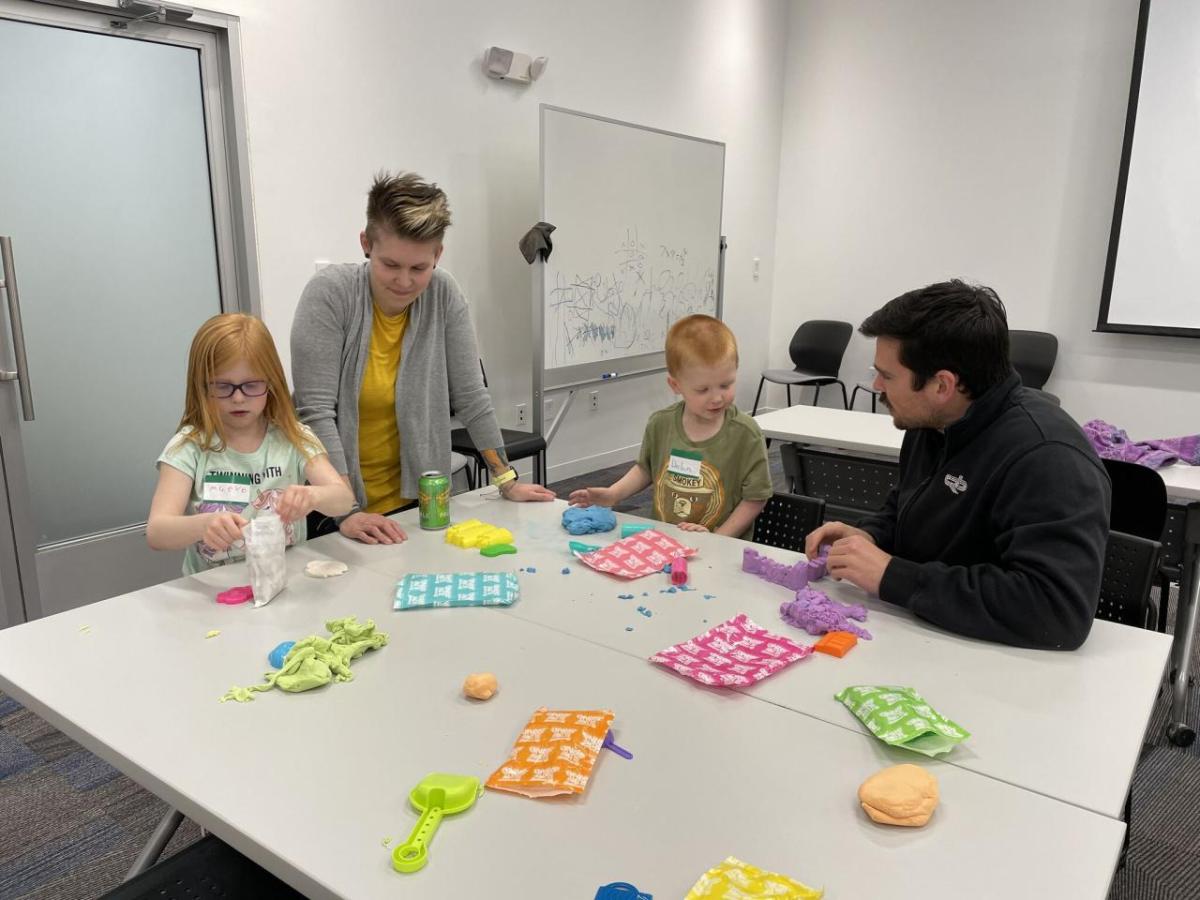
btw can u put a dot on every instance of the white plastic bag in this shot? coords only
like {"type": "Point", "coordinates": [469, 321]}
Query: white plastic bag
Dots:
{"type": "Point", "coordinates": [266, 541]}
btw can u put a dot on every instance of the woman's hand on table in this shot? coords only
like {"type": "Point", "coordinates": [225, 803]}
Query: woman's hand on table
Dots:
{"type": "Point", "coordinates": [528, 493]}
{"type": "Point", "coordinates": [372, 528]}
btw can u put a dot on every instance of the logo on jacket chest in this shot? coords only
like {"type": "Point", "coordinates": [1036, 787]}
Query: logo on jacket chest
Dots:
{"type": "Point", "coordinates": [956, 483]}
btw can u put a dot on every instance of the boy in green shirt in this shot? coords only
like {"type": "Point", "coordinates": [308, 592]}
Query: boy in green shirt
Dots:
{"type": "Point", "coordinates": [706, 460]}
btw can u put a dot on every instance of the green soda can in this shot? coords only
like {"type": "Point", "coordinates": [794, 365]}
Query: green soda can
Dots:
{"type": "Point", "coordinates": [434, 499]}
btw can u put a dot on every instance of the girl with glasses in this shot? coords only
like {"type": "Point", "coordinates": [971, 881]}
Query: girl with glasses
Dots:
{"type": "Point", "coordinates": [240, 449]}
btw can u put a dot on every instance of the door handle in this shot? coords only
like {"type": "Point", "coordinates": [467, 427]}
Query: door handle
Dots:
{"type": "Point", "coordinates": [21, 374]}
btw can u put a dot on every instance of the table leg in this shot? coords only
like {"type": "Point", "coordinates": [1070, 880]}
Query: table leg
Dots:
{"type": "Point", "coordinates": [163, 832]}
{"type": "Point", "coordinates": [1178, 731]}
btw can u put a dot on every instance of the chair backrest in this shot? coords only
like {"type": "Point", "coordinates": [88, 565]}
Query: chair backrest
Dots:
{"type": "Point", "coordinates": [1139, 500]}
{"type": "Point", "coordinates": [1130, 563]}
{"type": "Point", "coordinates": [1032, 354]}
{"type": "Point", "coordinates": [819, 345]}
{"type": "Point", "coordinates": [850, 486]}
{"type": "Point", "coordinates": [786, 521]}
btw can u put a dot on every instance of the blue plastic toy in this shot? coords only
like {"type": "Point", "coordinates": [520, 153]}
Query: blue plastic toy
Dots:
{"type": "Point", "coordinates": [275, 657]}
{"type": "Point", "coordinates": [621, 890]}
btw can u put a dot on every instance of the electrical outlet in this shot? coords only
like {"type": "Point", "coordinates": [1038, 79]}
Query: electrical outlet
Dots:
{"type": "Point", "coordinates": [520, 413]}
{"type": "Point", "coordinates": [595, 400]}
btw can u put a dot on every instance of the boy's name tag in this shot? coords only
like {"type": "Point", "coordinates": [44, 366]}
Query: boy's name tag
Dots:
{"type": "Point", "coordinates": [227, 489]}
{"type": "Point", "coordinates": [684, 462]}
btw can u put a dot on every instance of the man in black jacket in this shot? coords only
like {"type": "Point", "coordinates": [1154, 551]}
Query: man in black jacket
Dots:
{"type": "Point", "coordinates": [998, 526]}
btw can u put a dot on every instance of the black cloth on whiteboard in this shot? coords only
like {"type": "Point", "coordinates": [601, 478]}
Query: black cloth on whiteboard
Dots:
{"type": "Point", "coordinates": [535, 241]}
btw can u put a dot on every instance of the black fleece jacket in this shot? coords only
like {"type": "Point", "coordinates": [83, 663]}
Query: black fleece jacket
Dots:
{"type": "Point", "coordinates": [998, 525]}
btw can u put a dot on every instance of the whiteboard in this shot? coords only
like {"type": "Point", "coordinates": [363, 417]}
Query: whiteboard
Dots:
{"type": "Point", "coordinates": [1150, 283]}
{"type": "Point", "coordinates": [637, 245]}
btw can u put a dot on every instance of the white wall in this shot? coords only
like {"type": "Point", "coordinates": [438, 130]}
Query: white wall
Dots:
{"type": "Point", "coordinates": [938, 138]}
{"type": "Point", "coordinates": [337, 91]}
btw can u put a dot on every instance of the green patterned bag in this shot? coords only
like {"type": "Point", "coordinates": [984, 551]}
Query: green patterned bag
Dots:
{"type": "Point", "coordinates": [899, 716]}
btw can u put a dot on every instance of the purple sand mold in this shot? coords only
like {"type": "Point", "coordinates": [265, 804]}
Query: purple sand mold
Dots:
{"type": "Point", "coordinates": [817, 613]}
{"type": "Point", "coordinates": [791, 577]}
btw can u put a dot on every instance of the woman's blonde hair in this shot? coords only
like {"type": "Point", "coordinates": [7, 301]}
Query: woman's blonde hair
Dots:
{"type": "Point", "coordinates": [408, 207]}
{"type": "Point", "coordinates": [221, 342]}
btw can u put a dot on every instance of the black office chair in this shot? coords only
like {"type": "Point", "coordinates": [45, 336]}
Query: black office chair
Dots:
{"type": "Point", "coordinates": [517, 445]}
{"type": "Point", "coordinates": [787, 519]}
{"type": "Point", "coordinates": [1139, 507]}
{"type": "Point", "coordinates": [816, 350]}
{"type": "Point", "coordinates": [1130, 564]}
{"type": "Point", "coordinates": [207, 868]}
{"type": "Point", "coordinates": [1032, 354]}
{"type": "Point", "coordinates": [851, 487]}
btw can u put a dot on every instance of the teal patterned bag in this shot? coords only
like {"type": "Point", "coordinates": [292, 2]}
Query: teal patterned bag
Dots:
{"type": "Point", "coordinates": [899, 716]}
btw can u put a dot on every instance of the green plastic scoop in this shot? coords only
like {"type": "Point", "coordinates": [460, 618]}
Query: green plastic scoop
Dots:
{"type": "Point", "coordinates": [437, 795]}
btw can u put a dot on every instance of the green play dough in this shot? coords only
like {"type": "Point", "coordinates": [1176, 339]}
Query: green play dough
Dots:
{"type": "Point", "coordinates": [316, 661]}
{"type": "Point", "coordinates": [497, 550]}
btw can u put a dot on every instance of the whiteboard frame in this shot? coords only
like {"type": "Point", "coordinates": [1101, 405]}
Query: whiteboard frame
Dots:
{"type": "Point", "coordinates": [1103, 325]}
{"type": "Point", "coordinates": [573, 377]}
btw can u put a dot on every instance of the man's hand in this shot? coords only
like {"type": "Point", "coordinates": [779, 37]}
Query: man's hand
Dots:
{"type": "Point", "coordinates": [857, 560]}
{"type": "Point", "coordinates": [827, 534]}
{"type": "Point", "coordinates": [372, 528]}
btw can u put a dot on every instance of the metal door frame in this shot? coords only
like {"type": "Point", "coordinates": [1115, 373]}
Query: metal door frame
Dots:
{"type": "Point", "coordinates": [217, 39]}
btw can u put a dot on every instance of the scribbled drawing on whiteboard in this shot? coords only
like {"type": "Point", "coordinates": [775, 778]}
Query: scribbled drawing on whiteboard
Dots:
{"type": "Point", "coordinates": [627, 308]}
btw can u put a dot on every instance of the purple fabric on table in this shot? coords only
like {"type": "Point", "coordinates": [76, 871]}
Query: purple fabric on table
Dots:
{"type": "Point", "coordinates": [1111, 442]}
{"type": "Point", "coordinates": [816, 612]}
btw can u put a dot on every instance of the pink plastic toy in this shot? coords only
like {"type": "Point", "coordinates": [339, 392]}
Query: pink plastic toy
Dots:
{"type": "Point", "coordinates": [679, 567]}
{"type": "Point", "coordinates": [236, 595]}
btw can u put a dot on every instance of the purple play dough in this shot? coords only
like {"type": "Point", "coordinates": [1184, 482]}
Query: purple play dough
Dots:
{"type": "Point", "coordinates": [816, 612]}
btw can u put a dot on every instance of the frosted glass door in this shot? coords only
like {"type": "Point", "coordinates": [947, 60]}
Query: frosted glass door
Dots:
{"type": "Point", "coordinates": [105, 192]}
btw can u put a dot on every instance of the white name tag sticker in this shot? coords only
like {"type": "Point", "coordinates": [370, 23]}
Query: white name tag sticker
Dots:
{"type": "Point", "coordinates": [227, 490]}
{"type": "Point", "coordinates": [684, 462]}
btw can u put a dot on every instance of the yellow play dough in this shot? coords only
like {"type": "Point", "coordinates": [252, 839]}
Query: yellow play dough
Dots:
{"type": "Point", "coordinates": [900, 795]}
{"type": "Point", "coordinates": [480, 686]}
{"type": "Point", "coordinates": [473, 533]}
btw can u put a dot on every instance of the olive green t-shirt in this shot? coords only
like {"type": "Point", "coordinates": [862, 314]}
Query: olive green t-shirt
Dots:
{"type": "Point", "coordinates": [706, 480]}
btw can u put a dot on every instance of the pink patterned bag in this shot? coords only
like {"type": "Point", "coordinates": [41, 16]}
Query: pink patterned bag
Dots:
{"type": "Point", "coordinates": [735, 653]}
{"type": "Point", "coordinates": [639, 554]}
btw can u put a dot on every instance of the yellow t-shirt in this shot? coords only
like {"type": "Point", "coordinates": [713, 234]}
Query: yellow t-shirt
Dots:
{"type": "Point", "coordinates": [378, 434]}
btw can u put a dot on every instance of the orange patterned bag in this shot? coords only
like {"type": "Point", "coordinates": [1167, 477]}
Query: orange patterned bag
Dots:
{"type": "Point", "coordinates": [554, 754]}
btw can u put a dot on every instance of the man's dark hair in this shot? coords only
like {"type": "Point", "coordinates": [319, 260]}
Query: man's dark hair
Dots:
{"type": "Point", "coordinates": [950, 325]}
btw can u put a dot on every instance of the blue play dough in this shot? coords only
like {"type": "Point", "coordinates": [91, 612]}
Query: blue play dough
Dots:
{"type": "Point", "coordinates": [275, 657]}
{"type": "Point", "coordinates": [588, 520]}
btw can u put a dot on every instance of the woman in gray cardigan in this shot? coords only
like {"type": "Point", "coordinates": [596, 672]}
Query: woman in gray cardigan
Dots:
{"type": "Point", "coordinates": [381, 352]}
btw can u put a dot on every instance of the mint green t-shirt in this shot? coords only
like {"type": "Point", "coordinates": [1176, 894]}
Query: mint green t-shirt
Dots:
{"type": "Point", "coordinates": [242, 483]}
{"type": "Point", "coordinates": [729, 467]}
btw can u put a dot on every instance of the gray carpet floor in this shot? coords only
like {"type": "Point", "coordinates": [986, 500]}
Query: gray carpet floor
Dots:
{"type": "Point", "coordinates": [71, 825]}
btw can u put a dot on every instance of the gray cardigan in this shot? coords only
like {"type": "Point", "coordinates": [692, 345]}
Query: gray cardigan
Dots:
{"type": "Point", "coordinates": [439, 369]}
